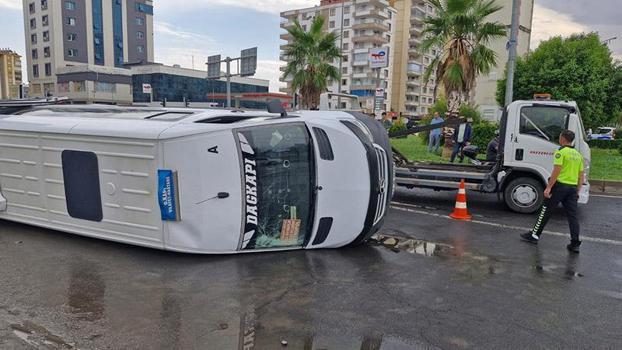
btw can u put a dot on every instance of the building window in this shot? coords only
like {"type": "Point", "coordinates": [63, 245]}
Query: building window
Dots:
{"type": "Point", "coordinates": [140, 35]}
{"type": "Point", "coordinates": [44, 4]}
{"type": "Point", "coordinates": [139, 21]}
{"type": "Point", "coordinates": [72, 52]}
{"type": "Point", "coordinates": [34, 54]}
{"type": "Point", "coordinates": [35, 70]}
{"type": "Point", "coordinates": [346, 46]}
{"type": "Point", "coordinates": [70, 5]}
{"type": "Point", "coordinates": [48, 69]}
{"type": "Point", "coordinates": [45, 21]}
{"type": "Point", "coordinates": [344, 70]}
{"type": "Point", "coordinates": [46, 36]}
{"type": "Point", "coordinates": [97, 41]}
{"type": "Point", "coordinates": [33, 23]}
{"type": "Point", "coordinates": [31, 7]}
{"type": "Point", "coordinates": [346, 10]}
{"type": "Point", "coordinates": [33, 38]}
{"type": "Point", "coordinates": [331, 24]}
{"type": "Point", "coordinates": [71, 36]}
{"type": "Point", "coordinates": [344, 82]}
{"type": "Point", "coordinates": [144, 8]}
{"type": "Point", "coordinates": [140, 49]}
{"type": "Point", "coordinates": [71, 21]}
{"type": "Point", "coordinates": [333, 11]}
{"type": "Point", "coordinates": [105, 87]}
{"type": "Point", "coordinates": [346, 22]}
{"type": "Point", "coordinates": [346, 34]}
{"type": "Point", "coordinates": [46, 51]}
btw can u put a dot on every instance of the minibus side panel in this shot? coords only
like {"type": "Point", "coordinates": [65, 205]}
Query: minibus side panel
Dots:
{"type": "Point", "coordinates": [33, 182]}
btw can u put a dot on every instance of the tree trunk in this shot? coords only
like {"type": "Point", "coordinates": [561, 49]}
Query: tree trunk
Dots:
{"type": "Point", "coordinates": [454, 100]}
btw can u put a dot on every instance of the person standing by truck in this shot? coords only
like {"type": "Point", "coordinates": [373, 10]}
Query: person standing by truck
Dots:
{"type": "Point", "coordinates": [462, 137]}
{"type": "Point", "coordinates": [564, 187]}
{"type": "Point", "coordinates": [435, 134]}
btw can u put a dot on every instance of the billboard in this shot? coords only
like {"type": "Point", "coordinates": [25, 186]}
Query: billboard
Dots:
{"type": "Point", "coordinates": [379, 57]}
{"type": "Point", "coordinates": [213, 66]}
{"type": "Point", "coordinates": [248, 62]}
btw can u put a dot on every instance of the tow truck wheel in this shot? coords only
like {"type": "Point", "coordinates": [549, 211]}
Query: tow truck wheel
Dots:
{"type": "Point", "coordinates": [524, 195]}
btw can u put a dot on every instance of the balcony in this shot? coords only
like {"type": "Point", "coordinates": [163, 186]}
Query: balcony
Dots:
{"type": "Point", "coordinates": [360, 75]}
{"type": "Point", "coordinates": [360, 63]}
{"type": "Point", "coordinates": [371, 24]}
{"type": "Point", "coordinates": [376, 39]}
{"type": "Point", "coordinates": [371, 12]}
{"type": "Point", "coordinates": [373, 2]}
{"type": "Point", "coordinates": [285, 36]}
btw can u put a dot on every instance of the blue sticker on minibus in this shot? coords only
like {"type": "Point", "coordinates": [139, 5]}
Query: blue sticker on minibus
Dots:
{"type": "Point", "coordinates": [166, 195]}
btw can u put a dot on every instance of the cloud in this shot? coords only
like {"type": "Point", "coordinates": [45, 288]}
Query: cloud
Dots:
{"type": "Point", "coordinates": [167, 29]}
{"type": "Point", "coordinates": [269, 6]}
{"type": "Point", "coordinates": [548, 23]}
{"type": "Point", "coordinates": [11, 4]}
{"type": "Point", "coordinates": [270, 70]}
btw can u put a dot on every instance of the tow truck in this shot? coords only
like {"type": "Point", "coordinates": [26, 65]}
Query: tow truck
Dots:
{"type": "Point", "coordinates": [529, 132]}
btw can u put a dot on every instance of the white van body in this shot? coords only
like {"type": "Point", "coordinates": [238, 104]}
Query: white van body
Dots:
{"type": "Point", "coordinates": [51, 157]}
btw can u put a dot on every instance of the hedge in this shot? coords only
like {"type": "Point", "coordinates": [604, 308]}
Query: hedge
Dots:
{"type": "Point", "coordinates": [605, 144]}
{"type": "Point", "coordinates": [483, 133]}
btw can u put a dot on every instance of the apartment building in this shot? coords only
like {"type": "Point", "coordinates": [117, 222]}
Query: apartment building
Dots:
{"type": "Point", "coordinates": [68, 41]}
{"type": "Point", "coordinates": [362, 25]}
{"type": "Point", "coordinates": [486, 86]}
{"type": "Point", "coordinates": [411, 96]}
{"type": "Point", "coordinates": [10, 75]}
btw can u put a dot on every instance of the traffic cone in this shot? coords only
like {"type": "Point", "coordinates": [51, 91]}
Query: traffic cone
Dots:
{"type": "Point", "coordinates": [460, 211]}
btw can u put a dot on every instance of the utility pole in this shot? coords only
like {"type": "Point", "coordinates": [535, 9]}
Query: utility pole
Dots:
{"type": "Point", "coordinates": [340, 57]}
{"type": "Point", "coordinates": [509, 87]}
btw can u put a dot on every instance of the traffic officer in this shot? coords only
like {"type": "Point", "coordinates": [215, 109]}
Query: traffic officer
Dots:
{"type": "Point", "coordinates": [564, 187]}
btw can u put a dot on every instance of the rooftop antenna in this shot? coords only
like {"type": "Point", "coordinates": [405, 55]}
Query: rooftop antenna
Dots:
{"type": "Point", "coordinates": [275, 106]}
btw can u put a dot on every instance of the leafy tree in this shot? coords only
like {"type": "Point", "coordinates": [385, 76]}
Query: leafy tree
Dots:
{"type": "Point", "coordinates": [577, 68]}
{"type": "Point", "coordinates": [461, 32]}
{"type": "Point", "coordinates": [309, 59]}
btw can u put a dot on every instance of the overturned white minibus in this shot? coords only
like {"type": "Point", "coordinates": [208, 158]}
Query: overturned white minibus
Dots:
{"type": "Point", "coordinates": [199, 181]}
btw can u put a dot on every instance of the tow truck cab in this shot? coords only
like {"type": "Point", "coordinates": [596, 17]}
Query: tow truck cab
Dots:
{"type": "Point", "coordinates": [529, 133]}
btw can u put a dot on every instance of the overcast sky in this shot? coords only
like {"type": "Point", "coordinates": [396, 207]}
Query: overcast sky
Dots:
{"type": "Point", "coordinates": [187, 31]}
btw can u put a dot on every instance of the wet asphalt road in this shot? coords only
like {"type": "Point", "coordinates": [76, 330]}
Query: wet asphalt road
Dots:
{"type": "Point", "coordinates": [469, 285]}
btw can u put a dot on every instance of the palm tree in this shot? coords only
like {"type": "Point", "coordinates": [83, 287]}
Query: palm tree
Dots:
{"type": "Point", "coordinates": [309, 58]}
{"type": "Point", "coordinates": [461, 32]}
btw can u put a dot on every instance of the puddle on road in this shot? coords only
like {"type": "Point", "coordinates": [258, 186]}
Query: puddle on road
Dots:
{"type": "Point", "coordinates": [471, 266]}
{"type": "Point", "coordinates": [424, 248]}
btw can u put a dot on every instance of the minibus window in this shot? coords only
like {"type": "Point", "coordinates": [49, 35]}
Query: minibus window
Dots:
{"type": "Point", "coordinates": [278, 178]}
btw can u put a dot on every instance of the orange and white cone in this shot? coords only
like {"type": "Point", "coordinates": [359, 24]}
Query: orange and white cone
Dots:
{"type": "Point", "coordinates": [461, 212]}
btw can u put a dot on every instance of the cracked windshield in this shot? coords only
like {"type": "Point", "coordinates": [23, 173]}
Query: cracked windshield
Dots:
{"type": "Point", "coordinates": [278, 173]}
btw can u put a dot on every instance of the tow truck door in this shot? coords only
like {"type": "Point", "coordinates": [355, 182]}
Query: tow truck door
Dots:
{"type": "Point", "coordinates": [535, 136]}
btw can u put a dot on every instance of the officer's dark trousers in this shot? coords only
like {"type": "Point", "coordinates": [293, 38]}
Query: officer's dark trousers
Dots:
{"type": "Point", "coordinates": [567, 195]}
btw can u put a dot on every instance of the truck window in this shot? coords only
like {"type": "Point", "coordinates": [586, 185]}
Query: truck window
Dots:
{"type": "Point", "coordinates": [543, 122]}
{"type": "Point", "coordinates": [279, 183]}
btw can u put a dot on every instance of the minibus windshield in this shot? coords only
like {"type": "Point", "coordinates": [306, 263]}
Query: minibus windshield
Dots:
{"type": "Point", "coordinates": [278, 180]}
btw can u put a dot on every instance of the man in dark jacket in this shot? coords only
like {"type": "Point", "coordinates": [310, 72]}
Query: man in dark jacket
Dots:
{"type": "Point", "coordinates": [462, 137]}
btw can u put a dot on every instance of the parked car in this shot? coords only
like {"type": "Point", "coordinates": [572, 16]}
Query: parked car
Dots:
{"type": "Point", "coordinates": [604, 133]}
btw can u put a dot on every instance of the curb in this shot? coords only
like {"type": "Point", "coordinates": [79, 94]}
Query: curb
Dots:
{"type": "Point", "coordinates": [606, 187]}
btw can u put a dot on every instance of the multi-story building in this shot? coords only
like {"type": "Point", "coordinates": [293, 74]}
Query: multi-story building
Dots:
{"type": "Point", "coordinates": [75, 39]}
{"type": "Point", "coordinates": [486, 86]}
{"type": "Point", "coordinates": [411, 95]}
{"type": "Point", "coordinates": [10, 75]}
{"type": "Point", "coordinates": [362, 25]}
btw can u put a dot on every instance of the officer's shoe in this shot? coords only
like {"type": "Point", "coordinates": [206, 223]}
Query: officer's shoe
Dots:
{"type": "Point", "coordinates": [574, 246]}
{"type": "Point", "coordinates": [530, 237]}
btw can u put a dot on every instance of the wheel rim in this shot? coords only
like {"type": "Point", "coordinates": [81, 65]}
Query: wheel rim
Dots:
{"type": "Point", "coordinates": [525, 196]}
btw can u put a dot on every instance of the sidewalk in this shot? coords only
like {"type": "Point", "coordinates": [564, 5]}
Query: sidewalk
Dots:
{"type": "Point", "coordinates": [606, 187]}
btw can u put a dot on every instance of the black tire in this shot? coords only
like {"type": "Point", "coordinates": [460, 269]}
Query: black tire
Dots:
{"type": "Point", "coordinates": [518, 195]}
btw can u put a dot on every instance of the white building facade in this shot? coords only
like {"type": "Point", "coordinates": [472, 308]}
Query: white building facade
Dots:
{"type": "Point", "coordinates": [362, 25]}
